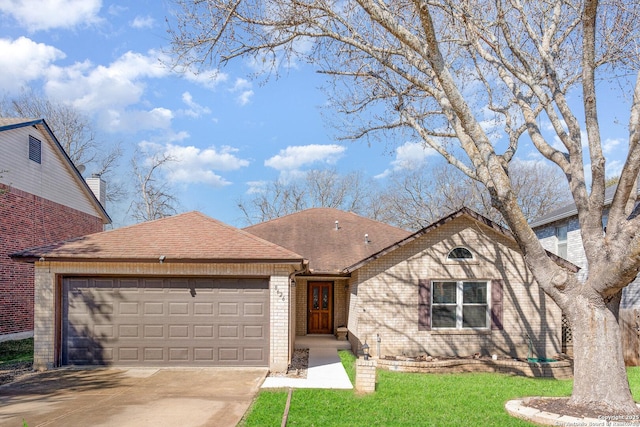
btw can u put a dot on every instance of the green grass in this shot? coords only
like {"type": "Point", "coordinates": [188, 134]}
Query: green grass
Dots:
{"type": "Point", "coordinates": [404, 399]}
{"type": "Point", "coordinates": [16, 351]}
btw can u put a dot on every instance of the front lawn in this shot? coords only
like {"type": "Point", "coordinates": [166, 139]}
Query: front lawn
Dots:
{"type": "Point", "coordinates": [403, 399]}
{"type": "Point", "coordinates": [16, 351]}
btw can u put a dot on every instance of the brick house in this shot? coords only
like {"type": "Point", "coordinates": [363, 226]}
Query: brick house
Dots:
{"type": "Point", "coordinates": [407, 294]}
{"type": "Point", "coordinates": [189, 290]}
{"type": "Point", "coordinates": [43, 199]}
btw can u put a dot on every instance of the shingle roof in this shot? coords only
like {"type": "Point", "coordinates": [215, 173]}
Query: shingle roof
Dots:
{"type": "Point", "coordinates": [186, 237]}
{"type": "Point", "coordinates": [8, 121]}
{"type": "Point", "coordinates": [470, 213]}
{"type": "Point", "coordinates": [571, 210]}
{"type": "Point", "coordinates": [313, 234]}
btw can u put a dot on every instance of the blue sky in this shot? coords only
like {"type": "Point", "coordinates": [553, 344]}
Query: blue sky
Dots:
{"type": "Point", "coordinates": [229, 133]}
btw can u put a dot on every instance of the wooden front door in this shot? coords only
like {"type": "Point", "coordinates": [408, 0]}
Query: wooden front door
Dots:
{"type": "Point", "coordinates": [320, 303]}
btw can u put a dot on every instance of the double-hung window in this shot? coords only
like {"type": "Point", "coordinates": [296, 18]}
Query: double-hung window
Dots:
{"type": "Point", "coordinates": [561, 235]}
{"type": "Point", "coordinates": [460, 305]}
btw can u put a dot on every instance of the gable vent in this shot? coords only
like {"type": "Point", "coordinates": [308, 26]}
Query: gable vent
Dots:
{"type": "Point", "coordinates": [35, 149]}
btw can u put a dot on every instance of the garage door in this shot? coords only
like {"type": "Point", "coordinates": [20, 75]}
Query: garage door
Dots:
{"type": "Point", "coordinates": [165, 321]}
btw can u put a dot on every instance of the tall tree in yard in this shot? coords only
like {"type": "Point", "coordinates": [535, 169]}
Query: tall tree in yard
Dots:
{"type": "Point", "coordinates": [439, 69]}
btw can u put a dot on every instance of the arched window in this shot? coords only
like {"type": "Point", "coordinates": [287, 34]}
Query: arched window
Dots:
{"type": "Point", "coordinates": [460, 253]}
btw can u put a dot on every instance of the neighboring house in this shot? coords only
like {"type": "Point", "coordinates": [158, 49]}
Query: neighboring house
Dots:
{"type": "Point", "coordinates": [43, 199]}
{"type": "Point", "coordinates": [189, 290]}
{"type": "Point", "coordinates": [559, 233]}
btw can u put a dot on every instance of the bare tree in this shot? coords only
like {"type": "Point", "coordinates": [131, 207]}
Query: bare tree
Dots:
{"type": "Point", "coordinates": [319, 188]}
{"type": "Point", "coordinates": [153, 197]}
{"type": "Point", "coordinates": [76, 134]}
{"type": "Point", "coordinates": [414, 199]}
{"type": "Point", "coordinates": [472, 79]}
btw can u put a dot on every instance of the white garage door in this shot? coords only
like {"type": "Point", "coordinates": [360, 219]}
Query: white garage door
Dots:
{"type": "Point", "coordinates": [165, 321]}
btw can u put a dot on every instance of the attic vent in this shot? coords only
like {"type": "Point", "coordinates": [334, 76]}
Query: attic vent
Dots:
{"type": "Point", "coordinates": [35, 149]}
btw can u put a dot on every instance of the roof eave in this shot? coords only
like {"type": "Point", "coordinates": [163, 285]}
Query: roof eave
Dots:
{"type": "Point", "coordinates": [106, 219]}
{"type": "Point", "coordinates": [32, 258]}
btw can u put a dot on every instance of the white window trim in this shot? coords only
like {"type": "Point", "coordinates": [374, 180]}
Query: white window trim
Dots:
{"type": "Point", "coordinates": [459, 304]}
{"type": "Point", "coordinates": [562, 245]}
{"type": "Point", "coordinates": [457, 261]}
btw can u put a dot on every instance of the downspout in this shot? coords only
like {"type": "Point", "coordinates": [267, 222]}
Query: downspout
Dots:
{"type": "Point", "coordinates": [304, 268]}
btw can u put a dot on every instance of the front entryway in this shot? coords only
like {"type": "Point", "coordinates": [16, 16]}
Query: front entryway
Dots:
{"type": "Point", "coordinates": [320, 303]}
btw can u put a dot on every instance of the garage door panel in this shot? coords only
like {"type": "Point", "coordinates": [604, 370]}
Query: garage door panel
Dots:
{"type": "Point", "coordinates": [254, 331]}
{"type": "Point", "coordinates": [153, 331]}
{"type": "Point", "coordinates": [203, 308]}
{"type": "Point", "coordinates": [178, 308]}
{"type": "Point", "coordinates": [228, 309]}
{"type": "Point", "coordinates": [253, 309]}
{"type": "Point", "coordinates": [203, 331]}
{"type": "Point", "coordinates": [126, 308]}
{"type": "Point", "coordinates": [153, 308]}
{"type": "Point", "coordinates": [166, 321]}
{"type": "Point", "coordinates": [204, 354]}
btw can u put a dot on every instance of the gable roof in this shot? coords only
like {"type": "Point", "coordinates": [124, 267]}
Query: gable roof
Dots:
{"type": "Point", "coordinates": [313, 234]}
{"type": "Point", "coordinates": [571, 210]}
{"type": "Point", "coordinates": [454, 215]}
{"type": "Point", "coordinates": [9, 123]}
{"type": "Point", "coordinates": [188, 237]}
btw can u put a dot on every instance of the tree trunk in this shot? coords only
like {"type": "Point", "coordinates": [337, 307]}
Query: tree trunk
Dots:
{"type": "Point", "coordinates": [600, 376]}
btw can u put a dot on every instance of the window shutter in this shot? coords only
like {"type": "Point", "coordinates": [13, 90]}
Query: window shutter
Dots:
{"type": "Point", "coordinates": [424, 305]}
{"type": "Point", "coordinates": [496, 305]}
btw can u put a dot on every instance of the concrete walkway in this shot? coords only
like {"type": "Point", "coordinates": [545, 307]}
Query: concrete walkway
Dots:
{"type": "Point", "coordinates": [325, 369]}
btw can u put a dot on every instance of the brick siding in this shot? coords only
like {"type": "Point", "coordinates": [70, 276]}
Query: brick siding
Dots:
{"type": "Point", "coordinates": [47, 276]}
{"type": "Point", "coordinates": [384, 298]}
{"type": "Point", "coordinates": [28, 221]}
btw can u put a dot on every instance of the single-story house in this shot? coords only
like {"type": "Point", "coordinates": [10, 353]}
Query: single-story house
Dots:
{"type": "Point", "coordinates": [189, 290]}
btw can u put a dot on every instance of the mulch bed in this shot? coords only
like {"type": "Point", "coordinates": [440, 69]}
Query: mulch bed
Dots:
{"type": "Point", "coordinates": [298, 367]}
{"type": "Point", "coordinates": [9, 373]}
{"type": "Point", "coordinates": [560, 405]}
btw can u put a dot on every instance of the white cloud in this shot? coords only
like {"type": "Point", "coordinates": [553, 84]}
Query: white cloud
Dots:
{"type": "Point", "coordinates": [136, 120]}
{"type": "Point", "coordinates": [195, 110]}
{"type": "Point", "coordinates": [37, 15]}
{"type": "Point", "coordinates": [609, 145]}
{"type": "Point", "coordinates": [245, 97]}
{"type": "Point", "coordinates": [23, 61]}
{"type": "Point", "coordinates": [257, 187]}
{"type": "Point", "coordinates": [409, 156]}
{"type": "Point", "coordinates": [292, 158]}
{"type": "Point", "coordinates": [114, 86]}
{"type": "Point", "coordinates": [614, 168]}
{"type": "Point", "coordinates": [143, 22]}
{"type": "Point", "coordinates": [196, 165]}
{"type": "Point", "coordinates": [116, 10]}
{"type": "Point", "coordinates": [244, 87]}
{"type": "Point", "coordinates": [206, 78]}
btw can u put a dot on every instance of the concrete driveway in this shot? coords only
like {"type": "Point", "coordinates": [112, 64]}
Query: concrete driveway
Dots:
{"type": "Point", "coordinates": [186, 397]}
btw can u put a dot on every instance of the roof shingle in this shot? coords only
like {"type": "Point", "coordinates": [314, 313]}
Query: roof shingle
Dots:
{"type": "Point", "coordinates": [313, 234]}
{"type": "Point", "coordinates": [190, 236]}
